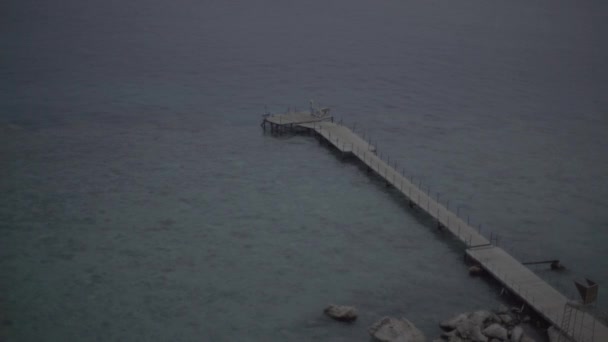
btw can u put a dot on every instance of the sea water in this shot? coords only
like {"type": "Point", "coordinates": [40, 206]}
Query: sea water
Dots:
{"type": "Point", "coordinates": [140, 199]}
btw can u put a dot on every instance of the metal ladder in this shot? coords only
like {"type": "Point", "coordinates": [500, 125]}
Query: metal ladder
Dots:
{"type": "Point", "coordinates": [570, 329]}
{"type": "Point", "coordinates": [565, 326]}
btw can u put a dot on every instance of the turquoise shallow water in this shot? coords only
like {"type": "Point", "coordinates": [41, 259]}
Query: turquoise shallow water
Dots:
{"type": "Point", "coordinates": [142, 201]}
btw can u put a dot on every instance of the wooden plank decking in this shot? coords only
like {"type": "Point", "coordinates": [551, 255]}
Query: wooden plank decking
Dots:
{"type": "Point", "coordinates": [295, 118]}
{"type": "Point", "coordinates": [516, 277]}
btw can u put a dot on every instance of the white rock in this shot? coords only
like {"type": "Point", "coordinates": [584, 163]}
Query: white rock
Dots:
{"type": "Point", "coordinates": [453, 322]}
{"type": "Point", "coordinates": [341, 313]}
{"type": "Point", "coordinates": [391, 329]}
{"type": "Point", "coordinates": [480, 317]}
{"type": "Point", "coordinates": [516, 334]}
{"type": "Point", "coordinates": [506, 319]}
{"type": "Point", "coordinates": [456, 338]}
{"type": "Point", "coordinates": [452, 336]}
{"type": "Point", "coordinates": [493, 319]}
{"type": "Point", "coordinates": [470, 330]}
{"type": "Point", "coordinates": [496, 331]}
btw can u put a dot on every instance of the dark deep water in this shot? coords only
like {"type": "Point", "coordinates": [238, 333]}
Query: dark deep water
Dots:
{"type": "Point", "coordinates": [141, 201]}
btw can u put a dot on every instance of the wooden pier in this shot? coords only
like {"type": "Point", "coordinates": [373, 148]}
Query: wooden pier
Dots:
{"type": "Point", "coordinates": [576, 324]}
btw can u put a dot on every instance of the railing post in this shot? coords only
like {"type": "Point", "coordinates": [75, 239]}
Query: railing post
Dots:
{"type": "Point", "coordinates": [438, 206]}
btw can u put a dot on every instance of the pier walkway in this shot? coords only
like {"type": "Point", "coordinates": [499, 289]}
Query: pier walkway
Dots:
{"type": "Point", "coordinates": [578, 325]}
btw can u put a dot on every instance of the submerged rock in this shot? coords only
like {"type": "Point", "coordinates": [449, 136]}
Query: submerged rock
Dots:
{"type": "Point", "coordinates": [341, 313]}
{"type": "Point", "coordinates": [391, 329]}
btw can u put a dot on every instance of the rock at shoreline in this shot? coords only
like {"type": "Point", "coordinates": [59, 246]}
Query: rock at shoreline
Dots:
{"type": "Point", "coordinates": [506, 319]}
{"type": "Point", "coordinates": [469, 330]}
{"type": "Point", "coordinates": [453, 322]}
{"type": "Point", "coordinates": [391, 329]}
{"type": "Point", "coordinates": [469, 326]}
{"type": "Point", "coordinates": [502, 309]}
{"type": "Point", "coordinates": [495, 330]}
{"type": "Point", "coordinates": [451, 336]}
{"type": "Point", "coordinates": [481, 317]}
{"type": "Point", "coordinates": [486, 326]}
{"type": "Point", "coordinates": [341, 313]}
{"type": "Point", "coordinates": [456, 338]}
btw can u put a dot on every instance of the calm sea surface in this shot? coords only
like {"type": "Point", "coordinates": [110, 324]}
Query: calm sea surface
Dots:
{"type": "Point", "coordinates": [140, 199]}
